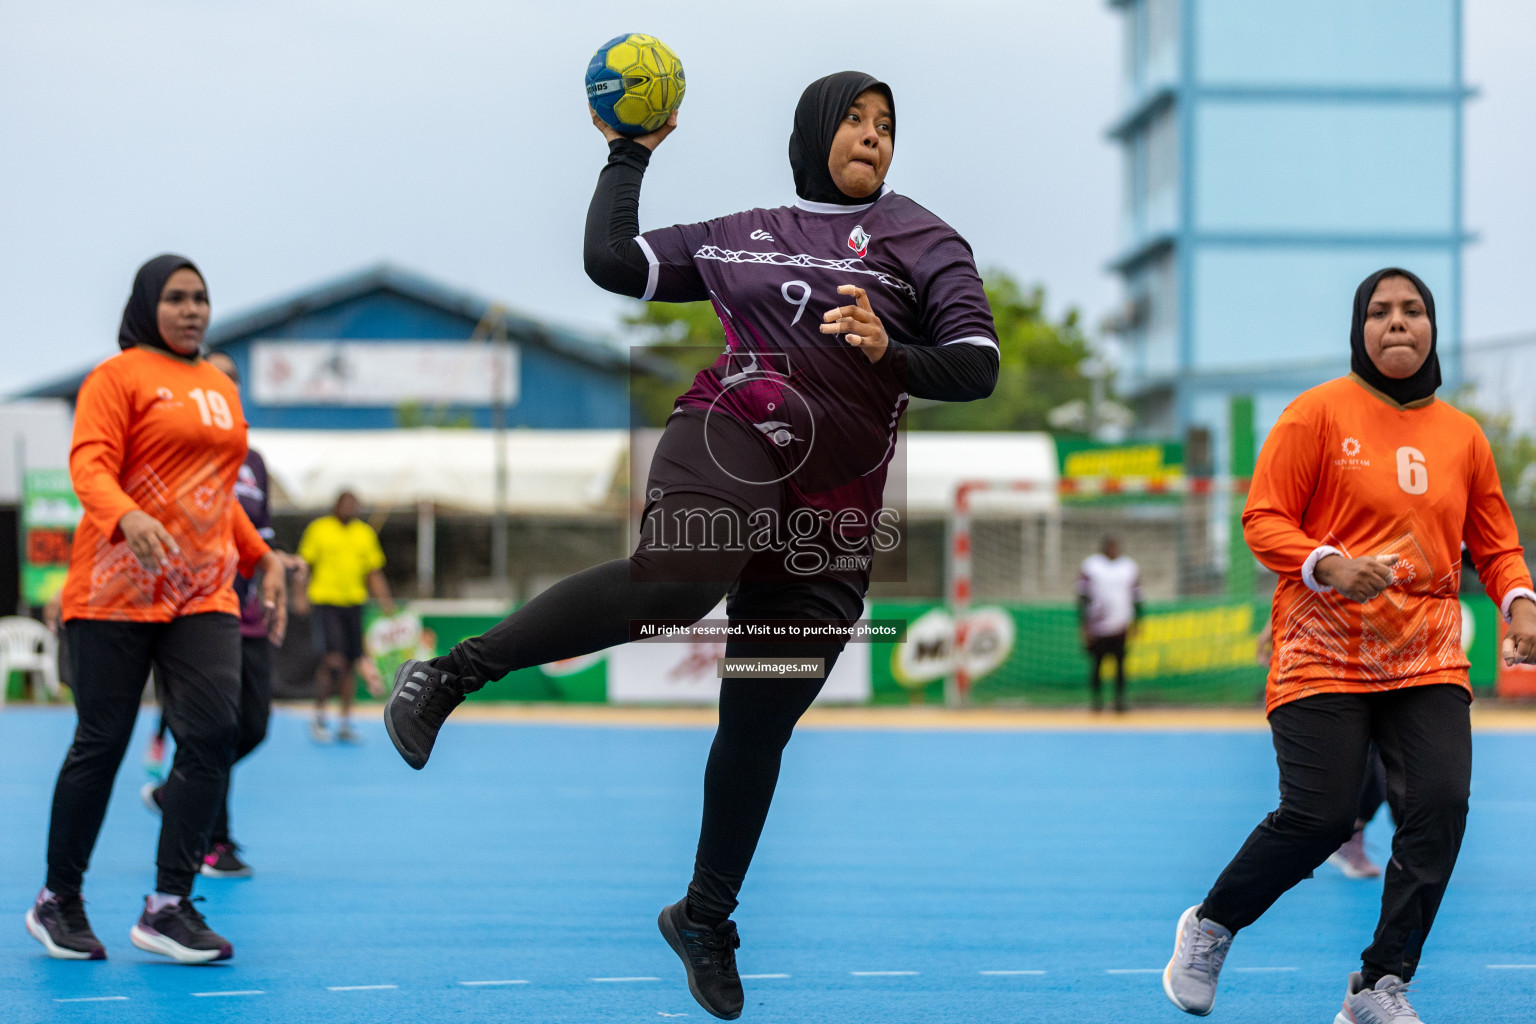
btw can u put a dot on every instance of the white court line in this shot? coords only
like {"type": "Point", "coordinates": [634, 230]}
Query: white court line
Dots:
{"type": "Point", "coordinates": [1265, 970]}
{"type": "Point", "coordinates": [94, 999]}
{"type": "Point", "coordinates": [1134, 970]}
{"type": "Point", "coordinates": [512, 981]}
{"type": "Point", "coordinates": [759, 977]}
{"type": "Point", "coordinates": [1005, 973]}
{"type": "Point", "coordinates": [882, 974]}
{"type": "Point", "coordinates": [1512, 967]}
{"type": "Point", "coordinates": [605, 980]}
{"type": "Point", "coordinates": [358, 988]}
{"type": "Point", "coordinates": [238, 992]}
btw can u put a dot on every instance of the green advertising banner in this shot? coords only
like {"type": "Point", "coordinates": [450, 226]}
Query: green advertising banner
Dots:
{"type": "Point", "coordinates": [49, 514]}
{"type": "Point", "coordinates": [1186, 652]}
{"type": "Point", "coordinates": [1079, 458]}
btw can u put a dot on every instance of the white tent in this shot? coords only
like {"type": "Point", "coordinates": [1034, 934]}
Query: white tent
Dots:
{"type": "Point", "coordinates": [939, 461]}
{"type": "Point", "coordinates": [554, 472]}
{"type": "Point", "coordinates": [565, 472]}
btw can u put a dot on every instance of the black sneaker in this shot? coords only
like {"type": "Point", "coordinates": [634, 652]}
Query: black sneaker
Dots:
{"type": "Point", "coordinates": [179, 932]}
{"type": "Point", "coordinates": [421, 699]}
{"type": "Point", "coordinates": [60, 924]}
{"type": "Point", "coordinates": [709, 956]}
{"type": "Point", "coordinates": [223, 861]}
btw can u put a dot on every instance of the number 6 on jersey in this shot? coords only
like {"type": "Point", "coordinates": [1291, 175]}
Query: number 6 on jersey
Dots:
{"type": "Point", "coordinates": [1412, 474]}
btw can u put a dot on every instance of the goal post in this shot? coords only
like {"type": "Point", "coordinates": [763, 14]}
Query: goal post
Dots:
{"type": "Point", "coordinates": [1019, 542]}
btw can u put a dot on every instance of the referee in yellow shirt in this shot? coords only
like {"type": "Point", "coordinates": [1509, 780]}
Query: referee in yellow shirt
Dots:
{"type": "Point", "coordinates": [345, 565]}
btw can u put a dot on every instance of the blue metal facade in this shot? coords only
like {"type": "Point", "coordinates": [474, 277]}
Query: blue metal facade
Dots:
{"type": "Point", "coordinates": [1276, 154]}
{"type": "Point", "coordinates": [567, 381]}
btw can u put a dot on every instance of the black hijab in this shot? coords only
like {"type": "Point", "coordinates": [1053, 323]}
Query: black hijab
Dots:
{"type": "Point", "coordinates": [141, 320]}
{"type": "Point", "coordinates": [817, 116]}
{"type": "Point", "coordinates": [1409, 389]}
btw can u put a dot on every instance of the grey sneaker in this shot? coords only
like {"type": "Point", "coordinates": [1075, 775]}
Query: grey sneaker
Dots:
{"type": "Point", "coordinates": [422, 698]}
{"type": "Point", "coordinates": [1198, 952]}
{"type": "Point", "coordinates": [1386, 1003]}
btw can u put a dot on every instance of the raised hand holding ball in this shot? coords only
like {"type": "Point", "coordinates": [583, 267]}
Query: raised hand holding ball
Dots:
{"type": "Point", "coordinates": [635, 84]}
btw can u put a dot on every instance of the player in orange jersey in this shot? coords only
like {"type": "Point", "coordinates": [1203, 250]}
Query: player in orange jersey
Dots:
{"type": "Point", "coordinates": [1363, 495]}
{"type": "Point", "coordinates": [159, 440]}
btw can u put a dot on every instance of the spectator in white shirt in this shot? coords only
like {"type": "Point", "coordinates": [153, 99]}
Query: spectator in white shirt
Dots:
{"type": "Point", "coordinates": [1109, 606]}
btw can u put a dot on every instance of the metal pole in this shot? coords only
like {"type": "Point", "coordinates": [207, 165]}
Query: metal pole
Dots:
{"type": "Point", "coordinates": [426, 549]}
{"type": "Point", "coordinates": [22, 608]}
{"type": "Point", "coordinates": [501, 360]}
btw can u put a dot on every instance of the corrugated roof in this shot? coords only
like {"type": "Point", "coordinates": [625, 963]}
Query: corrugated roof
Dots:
{"type": "Point", "coordinates": [387, 277]}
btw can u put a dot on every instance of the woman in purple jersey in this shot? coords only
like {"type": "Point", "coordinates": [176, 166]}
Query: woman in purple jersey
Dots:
{"type": "Point", "coordinates": [767, 484]}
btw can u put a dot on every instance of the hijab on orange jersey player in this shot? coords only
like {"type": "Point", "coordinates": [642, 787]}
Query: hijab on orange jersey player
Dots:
{"type": "Point", "coordinates": [167, 309]}
{"type": "Point", "coordinates": [1390, 317]}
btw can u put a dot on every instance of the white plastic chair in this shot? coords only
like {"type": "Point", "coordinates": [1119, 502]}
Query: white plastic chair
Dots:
{"type": "Point", "coordinates": [26, 645]}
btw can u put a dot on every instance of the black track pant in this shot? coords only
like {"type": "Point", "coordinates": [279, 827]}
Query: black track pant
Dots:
{"type": "Point", "coordinates": [1099, 648]}
{"type": "Point", "coordinates": [197, 658]}
{"type": "Point", "coordinates": [664, 578]}
{"type": "Point", "coordinates": [255, 713]}
{"type": "Point", "coordinates": [593, 609]}
{"type": "Point", "coordinates": [1321, 743]}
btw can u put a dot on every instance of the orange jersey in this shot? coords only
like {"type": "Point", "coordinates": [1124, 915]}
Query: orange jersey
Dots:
{"type": "Point", "coordinates": [167, 438]}
{"type": "Point", "coordinates": [1347, 471]}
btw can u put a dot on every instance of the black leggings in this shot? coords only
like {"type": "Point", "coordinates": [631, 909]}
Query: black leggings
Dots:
{"type": "Point", "coordinates": [677, 572]}
{"type": "Point", "coordinates": [1321, 743]}
{"type": "Point", "coordinates": [593, 609]}
{"type": "Point", "coordinates": [255, 713]}
{"type": "Point", "coordinates": [197, 661]}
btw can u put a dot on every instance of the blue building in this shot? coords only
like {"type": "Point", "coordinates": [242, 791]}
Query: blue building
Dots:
{"type": "Point", "coordinates": [1275, 154]}
{"type": "Point", "coordinates": [385, 348]}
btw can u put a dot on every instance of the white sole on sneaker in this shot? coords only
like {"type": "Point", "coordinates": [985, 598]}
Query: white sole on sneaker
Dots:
{"type": "Point", "coordinates": [208, 871]}
{"type": "Point", "coordinates": [1343, 1018]}
{"type": "Point", "coordinates": [37, 931]}
{"type": "Point", "coordinates": [154, 942]}
{"type": "Point", "coordinates": [1178, 936]}
{"type": "Point", "coordinates": [147, 794]}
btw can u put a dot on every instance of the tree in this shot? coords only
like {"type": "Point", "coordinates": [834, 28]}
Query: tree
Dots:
{"type": "Point", "coordinates": [1038, 368]}
{"type": "Point", "coordinates": [1038, 371]}
{"type": "Point", "coordinates": [1514, 455]}
{"type": "Point", "coordinates": [679, 339]}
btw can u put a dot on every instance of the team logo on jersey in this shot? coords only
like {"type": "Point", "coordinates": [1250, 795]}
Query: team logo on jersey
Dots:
{"type": "Point", "coordinates": [165, 394]}
{"type": "Point", "coordinates": [1351, 446]}
{"type": "Point", "coordinates": [858, 240]}
{"type": "Point", "coordinates": [777, 431]}
{"type": "Point", "coordinates": [760, 236]}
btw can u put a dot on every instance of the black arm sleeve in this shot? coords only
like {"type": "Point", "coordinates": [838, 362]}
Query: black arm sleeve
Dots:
{"type": "Point", "coordinates": [950, 373]}
{"type": "Point", "coordinates": [613, 259]}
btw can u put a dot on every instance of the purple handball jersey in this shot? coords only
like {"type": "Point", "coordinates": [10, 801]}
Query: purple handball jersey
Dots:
{"type": "Point", "coordinates": [828, 414]}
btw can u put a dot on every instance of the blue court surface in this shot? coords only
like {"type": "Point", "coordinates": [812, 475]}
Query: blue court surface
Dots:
{"type": "Point", "coordinates": [915, 876]}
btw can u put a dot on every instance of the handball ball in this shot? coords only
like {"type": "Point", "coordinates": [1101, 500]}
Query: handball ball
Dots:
{"type": "Point", "coordinates": [634, 82]}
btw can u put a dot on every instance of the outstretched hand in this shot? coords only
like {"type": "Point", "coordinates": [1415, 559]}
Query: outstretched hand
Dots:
{"type": "Point", "coordinates": [858, 324]}
{"type": "Point", "coordinates": [650, 140]}
{"type": "Point", "coordinates": [1359, 579]}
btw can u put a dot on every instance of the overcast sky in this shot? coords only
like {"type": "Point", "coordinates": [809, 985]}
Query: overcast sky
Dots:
{"type": "Point", "coordinates": [283, 143]}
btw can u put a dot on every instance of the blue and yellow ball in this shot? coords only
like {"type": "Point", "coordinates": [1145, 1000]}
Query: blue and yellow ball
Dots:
{"type": "Point", "coordinates": [634, 82]}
